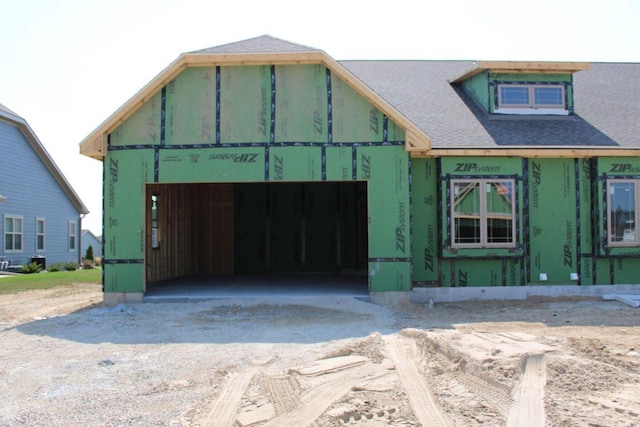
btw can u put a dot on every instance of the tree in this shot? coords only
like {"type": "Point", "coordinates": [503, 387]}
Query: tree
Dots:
{"type": "Point", "coordinates": [89, 254]}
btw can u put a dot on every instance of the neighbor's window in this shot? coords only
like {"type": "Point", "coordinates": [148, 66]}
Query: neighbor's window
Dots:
{"type": "Point", "coordinates": [623, 211]}
{"type": "Point", "coordinates": [72, 236]}
{"type": "Point", "coordinates": [13, 233]}
{"type": "Point", "coordinates": [483, 213]}
{"type": "Point", "coordinates": [531, 96]}
{"type": "Point", "coordinates": [40, 234]}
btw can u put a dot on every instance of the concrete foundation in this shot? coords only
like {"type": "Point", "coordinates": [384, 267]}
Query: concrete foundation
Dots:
{"type": "Point", "coordinates": [422, 295]}
{"type": "Point", "coordinates": [115, 298]}
{"type": "Point", "coordinates": [391, 299]}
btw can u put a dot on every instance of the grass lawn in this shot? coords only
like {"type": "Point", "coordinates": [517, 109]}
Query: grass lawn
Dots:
{"type": "Point", "coordinates": [27, 282]}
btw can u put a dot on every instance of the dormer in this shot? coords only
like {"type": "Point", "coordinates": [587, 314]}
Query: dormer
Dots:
{"type": "Point", "coordinates": [522, 88]}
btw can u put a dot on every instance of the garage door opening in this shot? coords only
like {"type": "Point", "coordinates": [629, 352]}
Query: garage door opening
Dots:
{"type": "Point", "coordinates": [213, 233]}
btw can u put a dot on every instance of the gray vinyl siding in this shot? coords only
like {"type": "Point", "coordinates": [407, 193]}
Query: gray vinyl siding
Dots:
{"type": "Point", "coordinates": [90, 239]}
{"type": "Point", "coordinates": [32, 192]}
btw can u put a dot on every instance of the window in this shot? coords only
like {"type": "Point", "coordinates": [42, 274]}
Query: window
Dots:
{"type": "Point", "coordinates": [72, 236]}
{"type": "Point", "coordinates": [483, 213]}
{"type": "Point", "coordinates": [623, 195]}
{"type": "Point", "coordinates": [12, 233]}
{"type": "Point", "coordinates": [531, 96]}
{"type": "Point", "coordinates": [39, 234]}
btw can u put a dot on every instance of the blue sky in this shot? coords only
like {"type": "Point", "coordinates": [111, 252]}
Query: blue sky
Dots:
{"type": "Point", "coordinates": [66, 65]}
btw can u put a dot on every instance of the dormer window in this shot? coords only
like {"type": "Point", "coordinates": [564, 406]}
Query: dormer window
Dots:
{"type": "Point", "coordinates": [522, 88]}
{"type": "Point", "coordinates": [531, 98]}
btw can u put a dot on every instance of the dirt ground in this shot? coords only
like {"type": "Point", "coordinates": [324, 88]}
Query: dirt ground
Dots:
{"type": "Point", "coordinates": [66, 360]}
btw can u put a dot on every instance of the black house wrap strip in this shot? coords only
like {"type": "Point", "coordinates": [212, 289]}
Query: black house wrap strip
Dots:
{"type": "Point", "coordinates": [526, 276]}
{"type": "Point", "coordinates": [122, 261]}
{"type": "Point", "coordinates": [354, 163]}
{"type": "Point", "coordinates": [576, 163]}
{"type": "Point", "coordinates": [329, 108]}
{"type": "Point", "coordinates": [594, 221]}
{"type": "Point", "coordinates": [323, 160]}
{"type": "Point", "coordinates": [272, 123]}
{"type": "Point", "coordinates": [385, 128]}
{"type": "Point", "coordinates": [218, 74]}
{"type": "Point", "coordinates": [156, 165]}
{"type": "Point", "coordinates": [439, 218]}
{"type": "Point", "coordinates": [163, 115]}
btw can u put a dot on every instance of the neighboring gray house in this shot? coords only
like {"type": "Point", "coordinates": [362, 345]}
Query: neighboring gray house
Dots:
{"type": "Point", "coordinates": [88, 238]}
{"type": "Point", "coordinates": [41, 214]}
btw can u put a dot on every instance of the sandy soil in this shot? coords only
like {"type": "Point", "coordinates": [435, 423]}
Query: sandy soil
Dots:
{"type": "Point", "coordinates": [65, 360]}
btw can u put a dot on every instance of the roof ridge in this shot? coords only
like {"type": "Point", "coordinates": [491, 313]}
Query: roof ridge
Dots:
{"type": "Point", "coordinates": [260, 44]}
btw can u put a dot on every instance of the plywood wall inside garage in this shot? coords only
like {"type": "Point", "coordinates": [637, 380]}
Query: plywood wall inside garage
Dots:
{"type": "Point", "coordinates": [195, 231]}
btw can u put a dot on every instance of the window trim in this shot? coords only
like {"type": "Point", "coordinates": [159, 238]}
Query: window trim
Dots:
{"type": "Point", "coordinates": [72, 233]}
{"type": "Point", "coordinates": [609, 216]}
{"type": "Point", "coordinates": [43, 234]}
{"type": "Point", "coordinates": [531, 107]}
{"type": "Point", "coordinates": [484, 243]}
{"type": "Point", "coordinates": [21, 233]}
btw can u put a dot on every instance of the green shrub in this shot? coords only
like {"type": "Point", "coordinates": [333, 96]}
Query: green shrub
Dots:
{"type": "Point", "coordinates": [70, 266]}
{"type": "Point", "coordinates": [54, 267]}
{"type": "Point", "coordinates": [32, 267]}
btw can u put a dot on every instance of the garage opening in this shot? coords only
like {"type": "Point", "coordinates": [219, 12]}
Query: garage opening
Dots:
{"type": "Point", "coordinates": [213, 231]}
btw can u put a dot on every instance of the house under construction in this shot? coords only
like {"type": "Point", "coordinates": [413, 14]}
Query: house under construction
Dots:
{"type": "Point", "coordinates": [265, 157]}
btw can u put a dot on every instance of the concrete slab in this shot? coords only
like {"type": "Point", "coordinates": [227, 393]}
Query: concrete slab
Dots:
{"type": "Point", "coordinates": [296, 285]}
{"type": "Point", "coordinates": [630, 300]}
{"type": "Point", "coordinates": [422, 295]}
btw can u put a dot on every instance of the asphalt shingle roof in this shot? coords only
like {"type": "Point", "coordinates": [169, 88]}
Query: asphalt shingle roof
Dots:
{"type": "Point", "coordinates": [262, 44]}
{"type": "Point", "coordinates": [607, 106]}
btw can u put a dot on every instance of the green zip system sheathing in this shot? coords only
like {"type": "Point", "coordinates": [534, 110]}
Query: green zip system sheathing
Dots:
{"type": "Point", "coordinates": [615, 264]}
{"type": "Point", "coordinates": [553, 221]}
{"type": "Point", "coordinates": [561, 223]}
{"type": "Point", "coordinates": [425, 222]}
{"type": "Point", "coordinates": [345, 198]}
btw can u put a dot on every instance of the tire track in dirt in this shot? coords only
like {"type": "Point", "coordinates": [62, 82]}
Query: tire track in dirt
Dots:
{"type": "Point", "coordinates": [528, 408]}
{"type": "Point", "coordinates": [469, 374]}
{"type": "Point", "coordinates": [315, 401]}
{"type": "Point", "coordinates": [402, 353]}
{"type": "Point", "coordinates": [224, 411]}
{"type": "Point", "coordinates": [496, 396]}
{"type": "Point", "coordinates": [282, 393]}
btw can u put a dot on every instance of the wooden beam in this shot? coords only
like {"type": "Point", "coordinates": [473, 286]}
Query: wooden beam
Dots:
{"type": "Point", "coordinates": [523, 67]}
{"type": "Point", "coordinates": [229, 59]}
{"type": "Point", "coordinates": [534, 66]}
{"type": "Point", "coordinates": [95, 148]}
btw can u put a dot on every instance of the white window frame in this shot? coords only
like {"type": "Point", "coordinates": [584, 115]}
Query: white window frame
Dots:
{"type": "Point", "coordinates": [630, 236]}
{"type": "Point", "coordinates": [531, 107]}
{"type": "Point", "coordinates": [73, 236]}
{"type": "Point", "coordinates": [13, 218]}
{"type": "Point", "coordinates": [483, 214]}
{"type": "Point", "coordinates": [41, 220]}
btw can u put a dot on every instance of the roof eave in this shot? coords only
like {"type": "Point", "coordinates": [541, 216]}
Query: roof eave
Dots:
{"type": "Point", "coordinates": [524, 67]}
{"type": "Point", "coordinates": [531, 151]}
